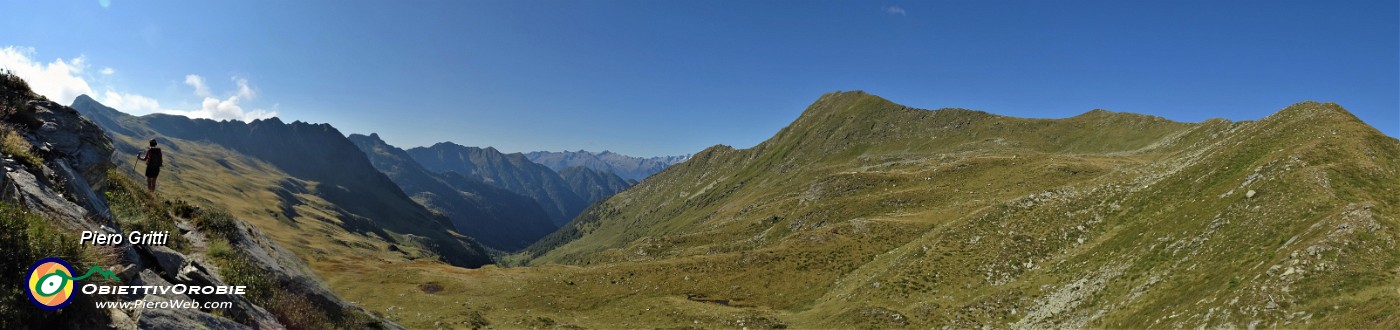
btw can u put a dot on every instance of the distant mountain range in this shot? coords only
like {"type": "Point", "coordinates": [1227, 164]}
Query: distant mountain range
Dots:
{"type": "Point", "coordinates": [495, 216]}
{"type": "Point", "coordinates": [593, 185]}
{"type": "Point", "coordinates": [627, 167]}
{"type": "Point", "coordinates": [512, 172]}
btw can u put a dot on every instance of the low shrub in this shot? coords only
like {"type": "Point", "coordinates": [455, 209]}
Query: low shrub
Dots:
{"type": "Point", "coordinates": [14, 145]}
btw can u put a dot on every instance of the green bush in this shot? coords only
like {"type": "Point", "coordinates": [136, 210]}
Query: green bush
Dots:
{"type": "Point", "coordinates": [14, 92]}
{"type": "Point", "coordinates": [26, 237]}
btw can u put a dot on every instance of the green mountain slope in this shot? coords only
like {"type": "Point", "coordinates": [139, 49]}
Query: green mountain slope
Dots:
{"type": "Point", "coordinates": [868, 213]}
{"type": "Point", "coordinates": [304, 184]}
{"type": "Point", "coordinates": [497, 217]}
{"type": "Point", "coordinates": [509, 171]}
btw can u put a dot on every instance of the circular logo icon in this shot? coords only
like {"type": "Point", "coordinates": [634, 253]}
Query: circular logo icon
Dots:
{"type": "Point", "coordinates": [50, 286]}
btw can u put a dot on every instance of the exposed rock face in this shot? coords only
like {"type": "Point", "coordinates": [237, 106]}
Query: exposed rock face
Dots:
{"type": "Point", "coordinates": [65, 134]}
{"type": "Point", "coordinates": [181, 319]}
{"type": "Point", "coordinates": [75, 159]}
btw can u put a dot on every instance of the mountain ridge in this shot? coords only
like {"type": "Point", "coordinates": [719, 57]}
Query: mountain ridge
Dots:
{"type": "Point", "coordinates": [497, 217]}
{"type": "Point", "coordinates": [513, 172]}
{"type": "Point", "coordinates": [954, 217]}
{"type": "Point", "coordinates": [321, 165]}
{"type": "Point", "coordinates": [593, 185]}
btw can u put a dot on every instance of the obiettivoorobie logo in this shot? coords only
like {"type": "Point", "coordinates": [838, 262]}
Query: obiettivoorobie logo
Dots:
{"type": "Point", "coordinates": [50, 284]}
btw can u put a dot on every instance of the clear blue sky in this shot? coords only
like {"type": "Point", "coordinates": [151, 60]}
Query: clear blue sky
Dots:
{"type": "Point", "coordinates": [673, 77]}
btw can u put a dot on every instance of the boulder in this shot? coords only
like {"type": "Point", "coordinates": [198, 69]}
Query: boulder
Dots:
{"type": "Point", "coordinates": [195, 273]}
{"type": "Point", "coordinates": [170, 261]}
{"type": "Point", "coordinates": [37, 194]}
{"type": "Point", "coordinates": [148, 277]}
{"type": "Point", "coordinates": [82, 193]}
{"type": "Point", "coordinates": [181, 318]}
{"type": "Point", "coordinates": [120, 320]}
{"type": "Point", "coordinates": [74, 138]}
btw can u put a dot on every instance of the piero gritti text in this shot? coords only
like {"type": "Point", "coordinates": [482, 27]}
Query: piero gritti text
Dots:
{"type": "Point", "coordinates": [137, 238]}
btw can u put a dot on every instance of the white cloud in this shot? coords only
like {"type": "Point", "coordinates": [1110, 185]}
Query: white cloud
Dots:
{"type": "Point", "coordinates": [243, 90]}
{"type": "Point", "coordinates": [62, 81]}
{"type": "Point", "coordinates": [212, 108]}
{"type": "Point", "coordinates": [58, 80]}
{"type": "Point", "coordinates": [130, 103]}
{"type": "Point", "coordinates": [895, 10]}
{"type": "Point", "coordinates": [219, 109]}
{"type": "Point", "coordinates": [197, 82]}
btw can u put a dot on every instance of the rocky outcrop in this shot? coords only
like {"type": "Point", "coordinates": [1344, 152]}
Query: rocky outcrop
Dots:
{"type": "Point", "coordinates": [65, 186]}
{"type": "Point", "coordinates": [74, 154]}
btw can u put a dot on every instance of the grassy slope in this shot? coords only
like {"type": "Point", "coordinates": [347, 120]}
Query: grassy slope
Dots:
{"type": "Point", "coordinates": [866, 213]}
{"type": "Point", "coordinates": [282, 206]}
{"type": "Point", "coordinates": [863, 211]}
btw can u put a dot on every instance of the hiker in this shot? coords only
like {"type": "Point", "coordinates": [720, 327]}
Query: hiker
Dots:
{"type": "Point", "coordinates": [153, 163]}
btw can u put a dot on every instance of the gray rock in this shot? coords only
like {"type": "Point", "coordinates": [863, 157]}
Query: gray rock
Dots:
{"type": "Point", "coordinates": [75, 138]}
{"type": "Point", "coordinates": [127, 272]}
{"type": "Point", "coordinates": [148, 277]}
{"type": "Point", "coordinates": [1249, 194]}
{"type": "Point", "coordinates": [195, 273]}
{"type": "Point", "coordinates": [37, 194]}
{"type": "Point", "coordinates": [170, 261]}
{"type": "Point", "coordinates": [78, 187]}
{"type": "Point", "coordinates": [177, 318]}
{"type": "Point", "coordinates": [120, 320]}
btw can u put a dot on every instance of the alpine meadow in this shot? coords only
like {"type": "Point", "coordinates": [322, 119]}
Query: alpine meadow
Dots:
{"type": "Point", "coordinates": [700, 165]}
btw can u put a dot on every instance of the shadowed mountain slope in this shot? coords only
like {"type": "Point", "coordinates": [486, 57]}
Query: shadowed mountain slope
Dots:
{"type": "Point", "coordinates": [593, 185]}
{"type": "Point", "coordinates": [305, 184]}
{"type": "Point", "coordinates": [497, 217]}
{"type": "Point", "coordinates": [509, 171]}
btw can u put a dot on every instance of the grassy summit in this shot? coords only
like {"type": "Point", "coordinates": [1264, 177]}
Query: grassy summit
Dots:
{"type": "Point", "coordinates": [865, 211]}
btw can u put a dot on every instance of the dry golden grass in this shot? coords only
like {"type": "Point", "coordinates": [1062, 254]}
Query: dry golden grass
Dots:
{"type": "Point", "coordinates": [16, 146]}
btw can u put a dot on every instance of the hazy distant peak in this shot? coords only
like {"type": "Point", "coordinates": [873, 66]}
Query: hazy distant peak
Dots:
{"type": "Point", "coordinates": [624, 166]}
